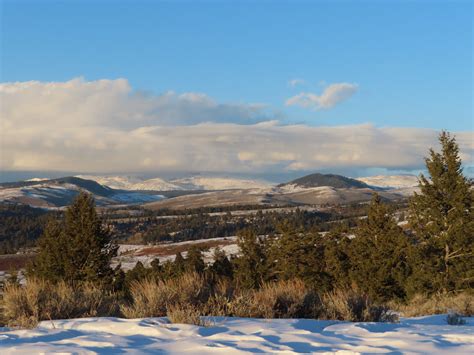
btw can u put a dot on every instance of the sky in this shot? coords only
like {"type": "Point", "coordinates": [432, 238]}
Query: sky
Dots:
{"type": "Point", "coordinates": [247, 87]}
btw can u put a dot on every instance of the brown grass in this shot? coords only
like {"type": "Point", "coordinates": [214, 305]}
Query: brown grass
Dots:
{"type": "Point", "coordinates": [25, 306]}
{"type": "Point", "coordinates": [348, 305]}
{"type": "Point", "coordinates": [420, 305]}
{"type": "Point", "coordinates": [184, 315]}
{"type": "Point", "coordinates": [153, 298]}
{"type": "Point", "coordinates": [14, 261]}
{"type": "Point", "coordinates": [164, 250]}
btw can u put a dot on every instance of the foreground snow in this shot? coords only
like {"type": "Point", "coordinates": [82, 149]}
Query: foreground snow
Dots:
{"type": "Point", "coordinates": [424, 335]}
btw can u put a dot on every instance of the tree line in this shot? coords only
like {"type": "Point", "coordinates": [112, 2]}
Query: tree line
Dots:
{"type": "Point", "coordinates": [377, 257]}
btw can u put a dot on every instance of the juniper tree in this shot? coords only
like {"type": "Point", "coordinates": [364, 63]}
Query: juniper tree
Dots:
{"type": "Point", "coordinates": [299, 254]}
{"type": "Point", "coordinates": [378, 254]}
{"type": "Point", "coordinates": [251, 267]}
{"type": "Point", "coordinates": [442, 219]}
{"type": "Point", "coordinates": [78, 249]}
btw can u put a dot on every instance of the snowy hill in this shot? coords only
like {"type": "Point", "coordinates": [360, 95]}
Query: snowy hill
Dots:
{"type": "Point", "coordinates": [189, 183]}
{"type": "Point", "coordinates": [219, 183]}
{"type": "Point", "coordinates": [391, 181]}
{"type": "Point", "coordinates": [423, 335]}
{"type": "Point", "coordinates": [60, 192]}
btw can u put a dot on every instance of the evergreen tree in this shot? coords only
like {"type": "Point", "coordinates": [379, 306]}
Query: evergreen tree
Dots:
{"type": "Point", "coordinates": [251, 267]}
{"type": "Point", "coordinates": [443, 223]}
{"type": "Point", "coordinates": [299, 254]}
{"type": "Point", "coordinates": [378, 254]}
{"type": "Point", "coordinates": [336, 256]}
{"type": "Point", "coordinates": [78, 249]}
{"type": "Point", "coordinates": [49, 263]}
{"type": "Point", "coordinates": [221, 266]}
{"type": "Point", "coordinates": [194, 260]}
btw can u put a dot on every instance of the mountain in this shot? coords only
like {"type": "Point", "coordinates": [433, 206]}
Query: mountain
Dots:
{"type": "Point", "coordinates": [391, 181]}
{"type": "Point", "coordinates": [54, 193]}
{"type": "Point", "coordinates": [219, 183]}
{"type": "Point", "coordinates": [329, 180]}
{"type": "Point", "coordinates": [193, 183]}
{"type": "Point", "coordinates": [132, 183]}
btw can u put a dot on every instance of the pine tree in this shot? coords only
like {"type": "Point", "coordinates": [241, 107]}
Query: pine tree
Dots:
{"type": "Point", "coordinates": [251, 267]}
{"type": "Point", "coordinates": [299, 254]}
{"type": "Point", "coordinates": [221, 266]}
{"type": "Point", "coordinates": [78, 249]}
{"type": "Point", "coordinates": [378, 254]}
{"type": "Point", "coordinates": [194, 260]}
{"type": "Point", "coordinates": [49, 263]}
{"type": "Point", "coordinates": [443, 223]}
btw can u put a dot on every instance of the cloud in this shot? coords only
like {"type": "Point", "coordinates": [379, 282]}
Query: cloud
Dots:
{"type": "Point", "coordinates": [296, 82]}
{"type": "Point", "coordinates": [103, 126]}
{"type": "Point", "coordinates": [331, 96]}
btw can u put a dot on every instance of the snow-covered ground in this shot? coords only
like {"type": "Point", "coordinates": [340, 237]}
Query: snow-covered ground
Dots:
{"type": "Point", "coordinates": [424, 335]}
{"type": "Point", "coordinates": [129, 255]}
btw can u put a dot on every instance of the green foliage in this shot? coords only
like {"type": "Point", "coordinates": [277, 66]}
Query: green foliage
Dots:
{"type": "Point", "coordinates": [299, 255]}
{"type": "Point", "coordinates": [443, 222]}
{"type": "Point", "coordinates": [251, 267]}
{"type": "Point", "coordinates": [76, 249]}
{"type": "Point", "coordinates": [378, 254]}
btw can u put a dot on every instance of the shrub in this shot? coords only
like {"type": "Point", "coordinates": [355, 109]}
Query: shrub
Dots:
{"type": "Point", "coordinates": [152, 298]}
{"type": "Point", "coordinates": [283, 299]}
{"type": "Point", "coordinates": [184, 315]}
{"type": "Point", "coordinates": [455, 319]}
{"type": "Point", "coordinates": [25, 306]}
{"type": "Point", "coordinates": [351, 306]}
{"type": "Point", "coordinates": [419, 305]}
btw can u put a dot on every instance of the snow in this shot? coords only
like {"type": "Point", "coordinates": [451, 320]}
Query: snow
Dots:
{"type": "Point", "coordinates": [391, 181]}
{"type": "Point", "coordinates": [219, 183]}
{"type": "Point", "coordinates": [423, 335]}
{"type": "Point", "coordinates": [189, 183]}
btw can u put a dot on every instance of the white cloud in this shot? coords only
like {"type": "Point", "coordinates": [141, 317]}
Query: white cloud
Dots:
{"type": "Point", "coordinates": [296, 82]}
{"type": "Point", "coordinates": [104, 126]}
{"type": "Point", "coordinates": [331, 96]}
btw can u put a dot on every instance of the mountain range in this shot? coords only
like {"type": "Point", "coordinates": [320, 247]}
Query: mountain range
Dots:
{"type": "Point", "coordinates": [198, 191]}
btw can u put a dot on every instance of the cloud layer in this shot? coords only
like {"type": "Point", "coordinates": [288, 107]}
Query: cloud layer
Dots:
{"type": "Point", "coordinates": [330, 97]}
{"type": "Point", "coordinates": [105, 126]}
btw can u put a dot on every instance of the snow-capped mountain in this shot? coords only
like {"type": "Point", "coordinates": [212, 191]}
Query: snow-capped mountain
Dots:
{"type": "Point", "coordinates": [189, 183]}
{"type": "Point", "coordinates": [219, 183]}
{"type": "Point", "coordinates": [391, 181]}
{"type": "Point", "coordinates": [54, 193]}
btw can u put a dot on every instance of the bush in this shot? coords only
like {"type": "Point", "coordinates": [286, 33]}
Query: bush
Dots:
{"type": "Point", "coordinates": [184, 315]}
{"type": "Point", "coordinates": [350, 306]}
{"type": "Point", "coordinates": [420, 305]}
{"type": "Point", "coordinates": [283, 299]}
{"type": "Point", "coordinates": [152, 298]}
{"type": "Point", "coordinates": [25, 306]}
{"type": "Point", "coordinates": [455, 319]}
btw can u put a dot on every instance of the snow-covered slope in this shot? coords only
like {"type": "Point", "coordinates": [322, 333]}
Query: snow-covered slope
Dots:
{"type": "Point", "coordinates": [189, 183]}
{"type": "Point", "coordinates": [219, 183]}
{"type": "Point", "coordinates": [114, 182]}
{"type": "Point", "coordinates": [423, 335]}
{"type": "Point", "coordinates": [391, 181]}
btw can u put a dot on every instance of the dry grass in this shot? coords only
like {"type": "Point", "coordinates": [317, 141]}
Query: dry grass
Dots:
{"type": "Point", "coordinates": [351, 306]}
{"type": "Point", "coordinates": [283, 299]}
{"type": "Point", "coordinates": [25, 306]}
{"type": "Point", "coordinates": [153, 298]}
{"type": "Point", "coordinates": [184, 315]}
{"type": "Point", "coordinates": [420, 305]}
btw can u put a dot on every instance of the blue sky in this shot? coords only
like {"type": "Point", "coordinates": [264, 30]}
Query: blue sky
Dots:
{"type": "Point", "coordinates": [382, 77]}
{"type": "Point", "coordinates": [412, 60]}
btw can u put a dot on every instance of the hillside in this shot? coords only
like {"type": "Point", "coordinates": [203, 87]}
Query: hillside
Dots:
{"type": "Point", "coordinates": [330, 180]}
{"type": "Point", "coordinates": [60, 192]}
{"type": "Point", "coordinates": [391, 181]}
